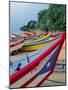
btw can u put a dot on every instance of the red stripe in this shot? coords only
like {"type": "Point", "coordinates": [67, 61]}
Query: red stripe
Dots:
{"type": "Point", "coordinates": [29, 81]}
{"type": "Point", "coordinates": [16, 76]}
{"type": "Point", "coordinates": [44, 79]}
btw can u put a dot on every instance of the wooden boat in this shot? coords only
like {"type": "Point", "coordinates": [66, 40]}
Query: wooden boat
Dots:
{"type": "Point", "coordinates": [16, 42]}
{"type": "Point", "coordinates": [28, 35]}
{"type": "Point", "coordinates": [55, 35]}
{"type": "Point", "coordinates": [38, 44]}
{"type": "Point", "coordinates": [38, 38]}
{"type": "Point", "coordinates": [38, 69]}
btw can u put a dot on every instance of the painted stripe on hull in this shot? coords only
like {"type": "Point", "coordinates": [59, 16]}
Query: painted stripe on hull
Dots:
{"type": "Point", "coordinates": [44, 79]}
{"type": "Point", "coordinates": [37, 80]}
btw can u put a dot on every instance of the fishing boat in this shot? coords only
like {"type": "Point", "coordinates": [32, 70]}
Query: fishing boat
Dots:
{"type": "Point", "coordinates": [33, 72]}
{"type": "Point", "coordinates": [38, 38]}
{"type": "Point", "coordinates": [55, 35]}
{"type": "Point", "coordinates": [28, 35]}
{"type": "Point", "coordinates": [16, 42]}
{"type": "Point", "coordinates": [31, 46]}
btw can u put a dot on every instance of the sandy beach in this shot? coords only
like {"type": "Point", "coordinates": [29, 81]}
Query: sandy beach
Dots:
{"type": "Point", "coordinates": [55, 79]}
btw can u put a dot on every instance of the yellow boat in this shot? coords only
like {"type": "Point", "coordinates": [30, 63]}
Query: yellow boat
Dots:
{"type": "Point", "coordinates": [37, 45]}
{"type": "Point", "coordinates": [39, 38]}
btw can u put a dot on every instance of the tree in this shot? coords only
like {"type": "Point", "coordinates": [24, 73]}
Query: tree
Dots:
{"type": "Point", "coordinates": [31, 24]}
{"type": "Point", "coordinates": [44, 27]}
{"type": "Point", "coordinates": [53, 18]}
{"type": "Point", "coordinates": [24, 28]}
{"type": "Point", "coordinates": [56, 17]}
{"type": "Point", "coordinates": [42, 17]}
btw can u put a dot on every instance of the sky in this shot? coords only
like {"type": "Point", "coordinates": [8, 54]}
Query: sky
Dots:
{"type": "Point", "coordinates": [21, 13]}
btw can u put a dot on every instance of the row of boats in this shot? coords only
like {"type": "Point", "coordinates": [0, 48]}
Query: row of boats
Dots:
{"type": "Point", "coordinates": [17, 42]}
{"type": "Point", "coordinates": [36, 66]}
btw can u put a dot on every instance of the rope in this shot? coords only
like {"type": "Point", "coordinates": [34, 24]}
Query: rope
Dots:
{"type": "Point", "coordinates": [55, 81]}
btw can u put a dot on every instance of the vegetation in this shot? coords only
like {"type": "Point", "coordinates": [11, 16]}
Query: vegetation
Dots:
{"type": "Point", "coordinates": [30, 25]}
{"type": "Point", "coordinates": [51, 19]}
{"type": "Point", "coordinates": [24, 28]}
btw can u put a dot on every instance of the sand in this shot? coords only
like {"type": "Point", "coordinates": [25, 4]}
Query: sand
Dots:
{"type": "Point", "coordinates": [55, 79]}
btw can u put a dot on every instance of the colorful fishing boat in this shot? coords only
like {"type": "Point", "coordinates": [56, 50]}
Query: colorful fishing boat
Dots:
{"type": "Point", "coordinates": [31, 46]}
{"type": "Point", "coordinates": [33, 72]}
{"type": "Point", "coordinates": [16, 42]}
{"type": "Point", "coordinates": [38, 38]}
{"type": "Point", "coordinates": [55, 35]}
{"type": "Point", "coordinates": [28, 35]}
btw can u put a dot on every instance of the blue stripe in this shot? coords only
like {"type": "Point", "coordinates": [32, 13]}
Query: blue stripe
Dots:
{"type": "Point", "coordinates": [51, 61]}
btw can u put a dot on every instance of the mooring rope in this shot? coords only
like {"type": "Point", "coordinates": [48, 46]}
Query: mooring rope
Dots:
{"type": "Point", "coordinates": [55, 81]}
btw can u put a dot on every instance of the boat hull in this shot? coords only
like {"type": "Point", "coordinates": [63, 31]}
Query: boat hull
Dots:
{"type": "Point", "coordinates": [38, 39]}
{"type": "Point", "coordinates": [16, 47]}
{"type": "Point", "coordinates": [31, 79]}
{"type": "Point", "coordinates": [35, 46]}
